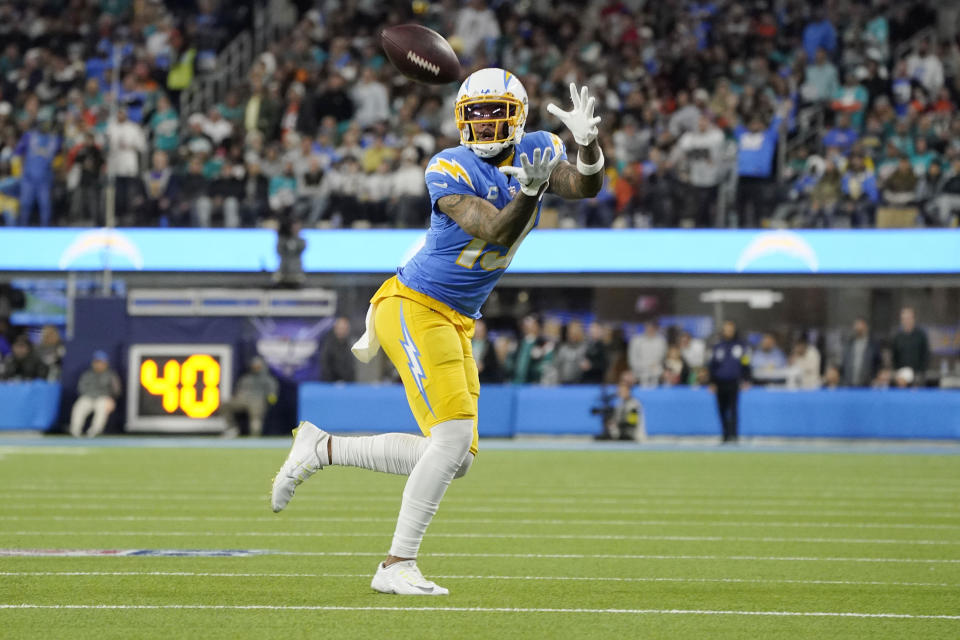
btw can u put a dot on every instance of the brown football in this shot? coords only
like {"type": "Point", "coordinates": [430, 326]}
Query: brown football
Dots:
{"type": "Point", "coordinates": [420, 53]}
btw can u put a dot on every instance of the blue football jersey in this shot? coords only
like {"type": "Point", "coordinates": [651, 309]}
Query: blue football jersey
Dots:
{"type": "Point", "coordinates": [453, 266]}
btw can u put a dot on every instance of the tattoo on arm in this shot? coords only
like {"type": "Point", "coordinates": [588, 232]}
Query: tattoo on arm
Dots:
{"type": "Point", "coordinates": [482, 220]}
{"type": "Point", "coordinates": [567, 182]}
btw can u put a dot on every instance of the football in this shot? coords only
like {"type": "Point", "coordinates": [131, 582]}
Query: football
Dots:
{"type": "Point", "coordinates": [420, 53]}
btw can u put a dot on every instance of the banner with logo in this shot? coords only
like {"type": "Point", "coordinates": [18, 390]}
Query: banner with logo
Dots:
{"type": "Point", "coordinates": [920, 251]}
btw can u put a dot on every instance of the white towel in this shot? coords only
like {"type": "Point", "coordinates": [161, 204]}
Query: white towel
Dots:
{"type": "Point", "coordinates": [367, 346]}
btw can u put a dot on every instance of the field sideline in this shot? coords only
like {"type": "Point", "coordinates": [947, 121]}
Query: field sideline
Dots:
{"type": "Point", "coordinates": [599, 543]}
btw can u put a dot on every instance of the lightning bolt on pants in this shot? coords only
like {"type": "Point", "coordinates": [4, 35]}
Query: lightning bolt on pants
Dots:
{"type": "Point", "coordinates": [433, 355]}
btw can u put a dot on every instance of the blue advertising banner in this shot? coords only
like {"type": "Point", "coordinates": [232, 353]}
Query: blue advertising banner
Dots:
{"type": "Point", "coordinates": [920, 251]}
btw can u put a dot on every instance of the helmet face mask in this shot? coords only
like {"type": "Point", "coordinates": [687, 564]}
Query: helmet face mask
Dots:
{"type": "Point", "coordinates": [491, 111]}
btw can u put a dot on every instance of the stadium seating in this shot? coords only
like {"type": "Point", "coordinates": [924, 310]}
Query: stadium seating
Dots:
{"type": "Point", "coordinates": [319, 126]}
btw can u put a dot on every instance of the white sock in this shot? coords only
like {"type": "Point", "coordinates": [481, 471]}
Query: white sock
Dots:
{"type": "Point", "coordinates": [390, 453]}
{"type": "Point", "coordinates": [448, 447]}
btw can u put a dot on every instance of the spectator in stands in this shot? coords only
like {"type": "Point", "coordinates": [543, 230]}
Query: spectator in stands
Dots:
{"type": "Point", "coordinates": [37, 147]}
{"type": "Point", "coordinates": [476, 28]}
{"type": "Point", "coordinates": [159, 190]}
{"type": "Point", "coordinates": [804, 365]}
{"type": "Point", "coordinates": [686, 117]}
{"type": "Point", "coordinates": [371, 98]}
{"type": "Point", "coordinates": [626, 420]}
{"type": "Point", "coordinates": [924, 67]}
{"type": "Point", "coordinates": [729, 370]}
{"type": "Point", "coordinates": [408, 192]}
{"type": "Point", "coordinates": [22, 362]}
{"type": "Point", "coordinates": [860, 357]}
{"type": "Point", "coordinates": [822, 81]}
{"type": "Point", "coordinates": [595, 358]}
{"type": "Point", "coordinates": [570, 361]}
{"type": "Point", "coordinates": [676, 371]}
{"type": "Point", "coordinates": [825, 197]}
{"type": "Point", "coordinates": [693, 350]}
{"type": "Point", "coordinates": [852, 99]}
{"type": "Point", "coordinates": [755, 167]}
{"type": "Point", "coordinates": [842, 136]}
{"type": "Point", "coordinates": [98, 390]}
{"type": "Point", "coordinates": [645, 354]}
{"type": "Point", "coordinates": [334, 100]}
{"type": "Point", "coordinates": [262, 111]}
{"type": "Point", "coordinates": [227, 191]}
{"type": "Point", "coordinates": [944, 204]}
{"type": "Point", "coordinates": [126, 143]}
{"type": "Point", "coordinates": [311, 201]}
{"type": "Point", "coordinates": [901, 187]}
{"type": "Point", "coordinates": [216, 127]}
{"type": "Point", "coordinates": [861, 194]}
{"type": "Point", "coordinates": [337, 363]}
{"type": "Point", "coordinates": [484, 353]}
{"type": "Point", "coordinates": [701, 152]}
{"type": "Point", "coordinates": [256, 390]}
{"type": "Point", "coordinates": [831, 377]}
{"type": "Point", "coordinates": [50, 351]}
{"type": "Point", "coordinates": [85, 202]}
{"type": "Point", "coordinates": [819, 34]}
{"type": "Point", "coordinates": [526, 362]}
{"type": "Point", "coordinates": [911, 348]}
{"type": "Point", "coordinates": [768, 363]}
{"type": "Point", "coordinates": [283, 190]}
{"type": "Point", "coordinates": [256, 192]}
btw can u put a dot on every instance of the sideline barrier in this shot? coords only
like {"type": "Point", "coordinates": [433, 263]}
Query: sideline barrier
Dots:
{"type": "Point", "coordinates": [29, 405]}
{"type": "Point", "coordinates": [507, 410]}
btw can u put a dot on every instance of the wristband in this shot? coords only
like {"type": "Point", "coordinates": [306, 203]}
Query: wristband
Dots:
{"type": "Point", "coordinates": [589, 169]}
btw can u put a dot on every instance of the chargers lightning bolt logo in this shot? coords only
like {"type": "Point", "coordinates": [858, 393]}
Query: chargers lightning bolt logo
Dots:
{"type": "Point", "coordinates": [452, 168]}
{"type": "Point", "coordinates": [413, 360]}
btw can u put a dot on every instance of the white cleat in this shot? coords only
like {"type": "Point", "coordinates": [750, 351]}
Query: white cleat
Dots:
{"type": "Point", "coordinates": [307, 456]}
{"type": "Point", "coordinates": [404, 579]}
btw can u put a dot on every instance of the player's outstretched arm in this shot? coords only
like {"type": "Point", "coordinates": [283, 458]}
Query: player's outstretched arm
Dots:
{"type": "Point", "coordinates": [586, 179]}
{"type": "Point", "coordinates": [504, 226]}
{"type": "Point", "coordinates": [482, 220]}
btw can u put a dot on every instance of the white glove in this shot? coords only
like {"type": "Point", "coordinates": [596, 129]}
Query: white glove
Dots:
{"type": "Point", "coordinates": [532, 176]}
{"type": "Point", "coordinates": [580, 120]}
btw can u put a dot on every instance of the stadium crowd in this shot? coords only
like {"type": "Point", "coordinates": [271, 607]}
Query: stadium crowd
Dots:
{"type": "Point", "coordinates": [716, 113]}
{"type": "Point", "coordinates": [545, 350]}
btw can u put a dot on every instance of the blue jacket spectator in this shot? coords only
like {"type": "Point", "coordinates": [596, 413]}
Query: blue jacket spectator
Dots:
{"type": "Point", "coordinates": [755, 147]}
{"type": "Point", "coordinates": [819, 34]}
{"type": "Point", "coordinates": [841, 135]}
{"type": "Point", "coordinates": [38, 148]}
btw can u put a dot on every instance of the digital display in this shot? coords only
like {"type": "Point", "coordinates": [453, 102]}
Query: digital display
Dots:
{"type": "Point", "coordinates": [177, 387]}
{"type": "Point", "coordinates": [712, 251]}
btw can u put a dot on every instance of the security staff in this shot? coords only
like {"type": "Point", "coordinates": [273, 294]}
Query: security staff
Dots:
{"type": "Point", "coordinates": [729, 372]}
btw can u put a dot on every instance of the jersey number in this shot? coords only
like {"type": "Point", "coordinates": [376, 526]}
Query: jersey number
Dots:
{"type": "Point", "coordinates": [491, 260]}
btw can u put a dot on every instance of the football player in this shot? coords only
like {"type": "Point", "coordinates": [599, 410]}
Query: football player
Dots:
{"type": "Point", "coordinates": [486, 196]}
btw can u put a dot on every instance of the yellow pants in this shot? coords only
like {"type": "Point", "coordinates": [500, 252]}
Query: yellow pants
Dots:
{"type": "Point", "coordinates": [429, 344]}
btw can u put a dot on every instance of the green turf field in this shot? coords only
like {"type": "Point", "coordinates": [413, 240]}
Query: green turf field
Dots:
{"type": "Point", "coordinates": [532, 544]}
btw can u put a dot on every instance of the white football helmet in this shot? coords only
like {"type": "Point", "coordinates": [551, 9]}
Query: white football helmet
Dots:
{"type": "Point", "coordinates": [491, 111]}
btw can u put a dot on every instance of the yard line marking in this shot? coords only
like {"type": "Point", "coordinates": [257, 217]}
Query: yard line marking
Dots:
{"type": "Point", "coordinates": [455, 504]}
{"type": "Point", "coordinates": [698, 612]}
{"type": "Point", "coordinates": [442, 520]}
{"type": "Point", "coordinates": [494, 536]}
{"type": "Point", "coordinates": [867, 492]}
{"type": "Point", "coordinates": [486, 497]}
{"type": "Point", "coordinates": [572, 556]}
{"type": "Point", "coordinates": [613, 556]}
{"type": "Point", "coordinates": [203, 574]}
